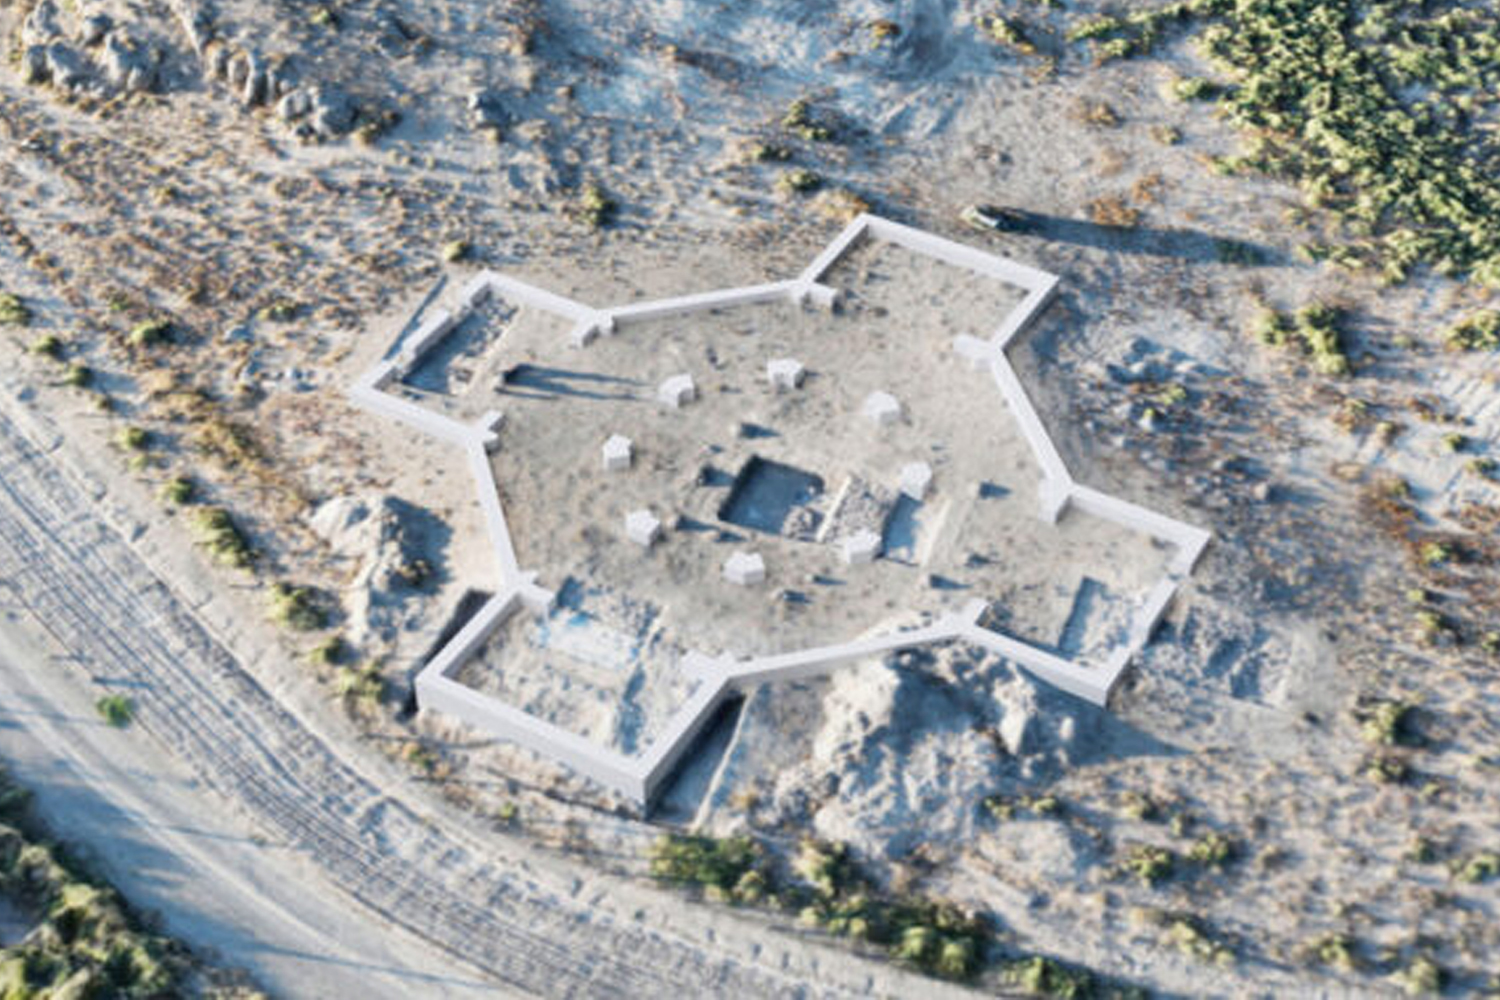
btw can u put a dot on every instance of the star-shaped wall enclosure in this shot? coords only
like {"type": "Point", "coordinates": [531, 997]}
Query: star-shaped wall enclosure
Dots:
{"type": "Point", "coordinates": [641, 776]}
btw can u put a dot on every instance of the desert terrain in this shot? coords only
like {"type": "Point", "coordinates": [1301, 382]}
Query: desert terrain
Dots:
{"type": "Point", "coordinates": [1276, 319]}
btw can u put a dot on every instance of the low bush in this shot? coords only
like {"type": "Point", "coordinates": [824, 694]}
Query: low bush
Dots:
{"type": "Point", "coordinates": [13, 312]}
{"type": "Point", "coordinates": [1479, 332]}
{"type": "Point", "coordinates": [150, 333]}
{"type": "Point", "coordinates": [133, 438]}
{"type": "Point", "coordinates": [48, 346]}
{"type": "Point", "coordinates": [178, 490]}
{"type": "Point", "coordinates": [799, 180]}
{"type": "Point", "coordinates": [595, 208]}
{"type": "Point", "coordinates": [218, 533]}
{"type": "Point", "coordinates": [296, 608]}
{"type": "Point", "coordinates": [115, 709]}
{"type": "Point", "coordinates": [1147, 864]}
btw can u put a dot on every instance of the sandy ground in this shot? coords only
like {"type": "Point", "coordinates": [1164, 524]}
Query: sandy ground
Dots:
{"type": "Point", "coordinates": [168, 844]}
{"type": "Point", "coordinates": [1240, 717]}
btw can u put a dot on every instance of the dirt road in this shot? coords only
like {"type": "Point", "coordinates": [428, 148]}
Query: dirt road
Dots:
{"type": "Point", "coordinates": [241, 761]}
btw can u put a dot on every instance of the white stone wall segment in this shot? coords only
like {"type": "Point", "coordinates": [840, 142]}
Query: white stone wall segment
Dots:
{"type": "Point", "coordinates": [640, 778]}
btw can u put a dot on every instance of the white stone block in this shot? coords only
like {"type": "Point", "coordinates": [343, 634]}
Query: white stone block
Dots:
{"type": "Point", "coordinates": [642, 527]}
{"type": "Point", "coordinates": [883, 408]}
{"type": "Point", "coordinates": [745, 568]}
{"type": "Point", "coordinates": [916, 478]}
{"type": "Point", "coordinates": [785, 374]}
{"type": "Point", "coordinates": [861, 547]}
{"type": "Point", "coordinates": [617, 453]}
{"type": "Point", "coordinates": [977, 352]}
{"type": "Point", "coordinates": [677, 391]}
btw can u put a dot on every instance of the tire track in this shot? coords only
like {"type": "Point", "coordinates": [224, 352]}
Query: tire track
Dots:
{"type": "Point", "coordinates": [102, 603]}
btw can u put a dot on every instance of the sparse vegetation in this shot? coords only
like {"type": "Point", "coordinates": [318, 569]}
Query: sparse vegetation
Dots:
{"type": "Point", "coordinates": [1392, 158]}
{"type": "Point", "coordinates": [1479, 332]}
{"type": "Point", "coordinates": [594, 208]}
{"type": "Point", "coordinates": [363, 685]}
{"type": "Point", "coordinates": [150, 333]}
{"type": "Point", "coordinates": [1213, 850]}
{"type": "Point", "coordinates": [1421, 976]}
{"type": "Point", "coordinates": [1316, 329]}
{"type": "Point", "coordinates": [13, 312]}
{"type": "Point", "coordinates": [133, 438]}
{"type": "Point", "coordinates": [115, 709]}
{"type": "Point", "coordinates": [296, 608]}
{"type": "Point", "coordinates": [1480, 867]}
{"type": "Point", "coordinates": [48, 346]}
{"type": "Point", "coordinates": [1004, 808]}
{"type": "Point", "coordinates": [799, 180]}
{"type": "Point", "coordinates": [799, 121]}
{"type": "Point", "coordinates": [1148, 864]}
{"type": "Point", "coordinates": [86, 941]}
{"type": "Point", "coordinates": [280, 311]}
{"type": "Point", "coordinates": [218, 533]}
{"type": "Point", "coordinates": [178, 491]}
{"type": "Point", "coordinates": [1113, 210]}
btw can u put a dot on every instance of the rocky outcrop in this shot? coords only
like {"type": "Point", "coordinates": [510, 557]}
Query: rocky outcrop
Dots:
{"type": "Point", "coordinates": [54, 56]}
{"type": "Point", "coordinates": [388, 544]}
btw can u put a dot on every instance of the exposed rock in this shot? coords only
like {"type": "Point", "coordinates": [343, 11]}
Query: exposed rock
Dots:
{"type": "Point", "coordinates": [390, 545]}
{"type": "Point", "coordinates": [65, 68]}
{"type": "Point", "coordinates": [40, 26]}
{"type": "Point", "coordinates": [34, 64]}
{"type": "Point", "coordinates": [486, 110]}
{"type": "Point", "coordinates": [125, 66]}
{"type": "Point", "coordinates": [332, 111]}
{"type": "Point", "coordinates": [92, 29]}
{"type": "Point", "coordinates": [293, 105]}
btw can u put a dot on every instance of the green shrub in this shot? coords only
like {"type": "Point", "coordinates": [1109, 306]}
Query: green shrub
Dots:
{"type": "Point", "coordinates": [1479, 332]}
{"type": "Point", "coordinates": [13, 312]}
{"type": "Point", "coordinates": [1147, 863]}
{"type": "Point", "coordinates": [133, 438]}
{"type": "Point", "coordinates": [1479, 867]}
{"type": "Point", "coordinates": [799, 180]}
{"type": "Point", "coordinates": [223, 538]}
{"type": "Point", "coordinates": [150, 333]}
{"type": "Point", "coordinates": [1390, 723]}
{"type": "Point", "coordinates": [296, 608]}
{"type": "Point", "coordinates": [280, 311]}
{"type": "Point", "coordinates": [48, 346]}
{"type": "Point", "coordinates": [1333, 950]}
{"type": "Point", "coordinates": [798, 120]}
{"type": "Point", "coordinates": [1387, 769]}
{"type": "Point", "coordinates": [178, 490]}
{"type": "Point", "coordinates": [709, 862]}
{"type": "Point", "coordinates": [1213, 850]}
{"type": "Point", "coordinates": [1192, 938]}
{"type": "Point", "coordinates": [766, 152]}
{"type": "Point", "coordinates": [1195, 89]}
{"type": "Point", "coordinates": [1039, 976]}
{"type": "Point", "coordinates": [455, 251]}
{"type": "Point", "coordinates": [363, 685]}
{"type": "Point", "coordinates": [330, 652]}
{"type": "Point", "coordinates": [1421, 977]}
{"type": "Point", "coordinates": [115, 709]}
{"type": "Point", "coordinates": [595, 208]}
{"type": "Point", "coordinates": [78, 376]}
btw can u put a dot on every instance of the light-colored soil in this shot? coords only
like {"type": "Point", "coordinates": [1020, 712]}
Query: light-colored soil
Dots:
{"type": "Point", "coordinates": [1241, 717]}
